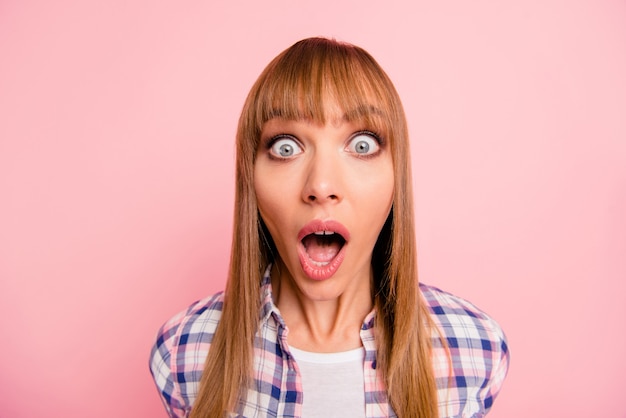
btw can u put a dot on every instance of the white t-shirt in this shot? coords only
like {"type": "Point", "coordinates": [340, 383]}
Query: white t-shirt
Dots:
{"type": "Point", "coordinates": [332, 383]}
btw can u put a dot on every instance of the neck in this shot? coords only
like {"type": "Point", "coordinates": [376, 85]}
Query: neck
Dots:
{"type": "Point", "coordinates": [322, 319]}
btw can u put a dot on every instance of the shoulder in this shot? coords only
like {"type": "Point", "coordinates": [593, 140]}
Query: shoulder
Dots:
{"type": "Point", "coordinates": [201, 318]}
{"type": "Point", "coordinates": [457, 317]}
{"type": "Point", "coordinates": [181, 347]}
{"type": "Point", "coordinates": [470, 349]}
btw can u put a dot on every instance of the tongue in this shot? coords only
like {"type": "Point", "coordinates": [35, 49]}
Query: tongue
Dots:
{"type": "Point", "coordinates": [321, 249]}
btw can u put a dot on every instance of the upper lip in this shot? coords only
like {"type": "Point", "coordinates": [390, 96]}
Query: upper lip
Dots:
{"type": "Point", "coordinates": [327, 226]}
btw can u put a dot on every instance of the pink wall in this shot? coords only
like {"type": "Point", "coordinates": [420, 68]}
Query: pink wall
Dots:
{"type": "Point", "coordinates": [116, 161]}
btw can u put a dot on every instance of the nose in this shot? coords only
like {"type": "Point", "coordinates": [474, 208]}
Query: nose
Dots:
{"type": "Point", "coordinates": [324, 180]}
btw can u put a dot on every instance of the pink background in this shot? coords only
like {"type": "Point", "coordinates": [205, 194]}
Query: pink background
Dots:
{"type": "Point", "coordinates": [116, 181]}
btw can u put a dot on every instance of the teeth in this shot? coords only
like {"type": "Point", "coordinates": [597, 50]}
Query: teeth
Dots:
{"type": "Point", "coordinates": [324, 233]}
{"type": "Point", "coordinates": [320, 263]}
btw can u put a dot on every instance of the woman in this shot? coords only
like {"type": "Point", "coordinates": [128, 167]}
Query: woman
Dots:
{"type": "Point", "coordinates": [322, 313]}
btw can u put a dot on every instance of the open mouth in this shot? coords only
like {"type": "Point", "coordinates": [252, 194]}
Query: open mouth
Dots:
{"type": "Point", "coordinates": [323, 246]}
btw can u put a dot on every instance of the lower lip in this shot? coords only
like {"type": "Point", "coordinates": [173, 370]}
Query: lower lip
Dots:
{"type": "Point", "coordinates": [314, 270]}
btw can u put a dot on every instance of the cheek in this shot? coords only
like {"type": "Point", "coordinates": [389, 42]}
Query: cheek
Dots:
{"type": "Point", "coordinates": [377, 193]}
{"type": "Point", "coordinates": [264, 193]}
{"type": "Point", "coordinates": [381, 206]}
{"type": "Point", "coordinates": [272, 193]}
{"type": "Point", "coordinates": [266, 206]}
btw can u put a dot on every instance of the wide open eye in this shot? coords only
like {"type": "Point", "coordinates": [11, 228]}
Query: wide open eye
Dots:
{"type": "Point", "coordinates": [364, 143]}
{"type": "Point", "coordinates": [285, 147]}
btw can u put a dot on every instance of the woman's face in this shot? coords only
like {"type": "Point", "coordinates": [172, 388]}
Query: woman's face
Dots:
{"type": "Point", "coordinates": [324, 193]}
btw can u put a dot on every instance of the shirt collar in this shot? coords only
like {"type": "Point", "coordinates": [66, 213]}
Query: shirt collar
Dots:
{"type": "Point", "coordinates": [268, 308]}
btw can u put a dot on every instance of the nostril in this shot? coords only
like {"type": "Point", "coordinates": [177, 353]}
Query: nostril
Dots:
{"type": "Point", "coordinates": [314, 198]}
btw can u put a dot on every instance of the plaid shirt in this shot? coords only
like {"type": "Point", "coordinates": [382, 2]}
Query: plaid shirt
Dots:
{"type": "Point", "coordinates": [476, 344]}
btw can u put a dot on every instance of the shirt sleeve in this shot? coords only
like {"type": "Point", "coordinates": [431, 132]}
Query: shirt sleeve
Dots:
{"type": "Point", "coordinates": [162, 370]}
{"type": "Point", "coordinates": [472, 364]}
{"type": "Point", "coordinates": [501, 359]}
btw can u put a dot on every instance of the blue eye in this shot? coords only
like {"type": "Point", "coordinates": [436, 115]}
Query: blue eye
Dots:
{"type": "Point", "coordinates": [285, 147]}
{"type": "Point", "coordinates": [364, 143]}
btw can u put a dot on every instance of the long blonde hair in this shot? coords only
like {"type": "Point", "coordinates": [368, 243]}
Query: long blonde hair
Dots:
{"type": "Point", "coordinates": [295, 85]}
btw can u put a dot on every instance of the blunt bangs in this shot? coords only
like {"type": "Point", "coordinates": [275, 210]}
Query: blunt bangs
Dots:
{"type": "Point", "coordinates": [301, 82]}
